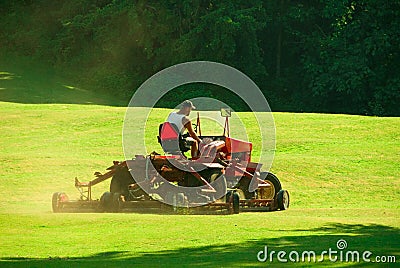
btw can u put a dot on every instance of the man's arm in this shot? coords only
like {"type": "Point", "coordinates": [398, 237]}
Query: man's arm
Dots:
{"type": "Point", "coordinates": [188, 126]}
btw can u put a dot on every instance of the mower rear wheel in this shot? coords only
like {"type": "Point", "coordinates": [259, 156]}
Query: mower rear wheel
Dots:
{"type": "Point", "coordinates": [269, 192]}
{"type": "Point", "coordinates": [56, 201]}
{"type": "Point", "coordinates": [106, 202]}
{"type": "Point", "coordinates": [283, 200]}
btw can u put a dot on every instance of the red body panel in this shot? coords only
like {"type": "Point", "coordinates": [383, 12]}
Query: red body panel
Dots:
{"type": "Point", "coordinates": [237, 146]}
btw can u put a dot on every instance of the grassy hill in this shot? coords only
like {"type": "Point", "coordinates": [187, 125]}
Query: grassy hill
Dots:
{"type": "Point", "coordinates": [342, 173]}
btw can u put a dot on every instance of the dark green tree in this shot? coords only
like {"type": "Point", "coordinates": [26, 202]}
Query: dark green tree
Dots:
{"type": "Point", "coordinates": [353, 66]}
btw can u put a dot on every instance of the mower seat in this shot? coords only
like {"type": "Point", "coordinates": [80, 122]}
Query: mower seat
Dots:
{"type": "Point", "coordinates": [171, 140]}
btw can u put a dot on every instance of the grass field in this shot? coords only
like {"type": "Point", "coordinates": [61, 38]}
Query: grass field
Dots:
{"type": "Point", "coordinates": [342, 172]}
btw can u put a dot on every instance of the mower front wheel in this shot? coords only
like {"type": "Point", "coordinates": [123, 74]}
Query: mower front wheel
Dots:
{"type": "Point", "coordinates": [56, 201]}
{"type": "Point", "coordinates": [283, 200]}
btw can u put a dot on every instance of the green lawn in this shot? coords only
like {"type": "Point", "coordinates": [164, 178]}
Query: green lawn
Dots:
{"type": "Point", "coordinates": [342, 172]}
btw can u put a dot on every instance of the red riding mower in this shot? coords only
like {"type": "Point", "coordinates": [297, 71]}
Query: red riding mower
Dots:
{"type": "Point", "coordinates": [222, 179]}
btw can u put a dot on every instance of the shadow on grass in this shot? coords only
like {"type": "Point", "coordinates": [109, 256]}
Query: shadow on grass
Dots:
{"type": "Point", "coordinates": [379, 239]}
{"type": "Point", "coordinates": [30, 83]}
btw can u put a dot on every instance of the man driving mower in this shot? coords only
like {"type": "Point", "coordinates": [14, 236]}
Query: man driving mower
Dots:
{"type": "Point", "coordinates": [182, 121]}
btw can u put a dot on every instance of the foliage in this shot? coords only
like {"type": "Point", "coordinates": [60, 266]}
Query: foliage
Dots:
{"type": "Point", "coordinates": [354, 68]}
{"type": "Point", "coordinates": [331, 56]}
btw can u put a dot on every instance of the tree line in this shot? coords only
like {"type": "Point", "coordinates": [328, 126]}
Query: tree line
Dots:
{"type": "Point", "coordinates": [338, 56]}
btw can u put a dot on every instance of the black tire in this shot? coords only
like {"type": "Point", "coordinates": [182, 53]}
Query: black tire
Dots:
{"type": "Point", "coordinates": [56, 200]}
{"type": "Point", "coordinates": [116, 202]}
{"type": "Point", "coordinates": [283, 200]}
{"type": "Point", "coordinates": [270, 192]}
{"type": "Point", "coordinates": [106, 201]}
{"type": "Point", "coordinates": [235, 202]}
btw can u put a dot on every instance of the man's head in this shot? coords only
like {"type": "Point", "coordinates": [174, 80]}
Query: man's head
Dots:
{"type": "Point", "coordinates": [186, 107]}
